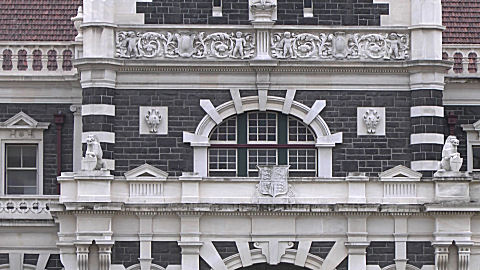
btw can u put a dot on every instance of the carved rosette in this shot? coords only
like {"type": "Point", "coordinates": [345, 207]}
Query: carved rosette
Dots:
{"type": "Point", "coordinates": [340, 45]}
{"type": "Point", "coordinates": [153, 118]}
{"type": "Point", "coordinates": [371, 120]}
{"type": "Point", "coordinates": [235, 45]}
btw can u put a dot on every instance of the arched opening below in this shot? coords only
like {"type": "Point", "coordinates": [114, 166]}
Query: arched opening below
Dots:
{"type": "Point", "coordinates": [282, 266]}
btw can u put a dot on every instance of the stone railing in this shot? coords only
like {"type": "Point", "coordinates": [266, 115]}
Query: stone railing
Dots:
{"type": "Point", "coordinates": [464, 58]}
{"type": "Point", "coordinates": [26, 207]}
{"type": "Point", "coordinates": [37, 58]}
{"type": "Point", "coordinates": [253, 44]}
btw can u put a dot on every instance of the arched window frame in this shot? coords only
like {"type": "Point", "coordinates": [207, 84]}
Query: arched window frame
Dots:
{"type": "Point", "coordinates": [325, 141]}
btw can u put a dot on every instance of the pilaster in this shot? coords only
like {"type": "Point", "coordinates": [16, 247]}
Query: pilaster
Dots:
{"type": "Point", "coordinates": [441, 256]}
{"type": "Point", "coordinates": [357, 243]}
{"type": "Point", "coordinates": [82, 256]}
{"type": "Point", "coordinates": [190, 241]}
{"type": "Point", "coordinates": [104, 256]}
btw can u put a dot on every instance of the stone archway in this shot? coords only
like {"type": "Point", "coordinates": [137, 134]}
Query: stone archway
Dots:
{"type": "Point", "coordinates": [282, 266]}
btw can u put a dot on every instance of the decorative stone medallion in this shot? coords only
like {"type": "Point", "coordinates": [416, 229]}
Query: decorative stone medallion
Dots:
{"type": "Point", "coordinates": [371, 121]}
{"type": "Point", "coordinates": [153, 120]}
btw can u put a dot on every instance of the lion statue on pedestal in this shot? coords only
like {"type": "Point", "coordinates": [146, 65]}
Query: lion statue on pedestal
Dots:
{"type": "Point", "coordinates": [95, 152]}
{"type": "Point", "coordinates": [451, 160]}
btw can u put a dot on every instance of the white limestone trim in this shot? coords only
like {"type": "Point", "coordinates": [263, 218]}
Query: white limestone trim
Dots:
{"type": "Point", "coordinates": [141, 173]}
{"type": "Point", "coordinates": [425, 165]}
{"type": "Point", "coordinates": [262, 99]}
{"type": "Point", "coordinates": [235, 261]}
{"type": "Point", "coordinates": [138, 267]}
{"type": "Point", "coordinates": [302, 252]}
{"type": "Point", "coordinates": [98, 109]}
{"type": "Point", "coordinates": [195, 140]}
{"type": "Point", "coordinates": [314, 111]}
{"type": "Point", "coordinates": [400, 173]}
{"type": "Point", "coordinates": [217, 11]}
{"type": "Point", "coordinates": [210, 255]}
{"type": "Point", "coordinates": [299, 110]}
{"type": "Point", "coordinates": [427, 138]}
{"type": "Point", "coordinates": [287, 106]}
{"type": "Point", "coordinates": [237, 100]}
{"type": "Point", "coordinates": [432, 111]}
{"type": "Point", "coordinates": [244, 252]}
{"type": "Point", "coordinates": [22, 129]}
{"type": "Point", "coordinates": [109, 164]}
{"type": "Point", "coordinates": [208, 107]}
{"type": "Point", "coordinates": [102, 136]}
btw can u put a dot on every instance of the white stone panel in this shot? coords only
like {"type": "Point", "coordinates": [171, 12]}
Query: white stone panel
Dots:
{"type": "Point", "coordinates": [335, 224]}
{"type": "Point", "coordinates": [362, 129]}
{"type": "Point", "coordinates": [421, 225]}
{"type": "Point", "coordinates": [226, 225]}
{"type": "Point", "coordinates": [432, 111]}
{"type": "Point", "coordinates": [427, 138]}
{"type": "Point", "coordinates": [380, 225]}
{"type": "Point", "coordinates": [98, 109]}
{"type": "Point", "coordinates": [310, 225]}
{"type": "Point", "coordinates": [166, 225]}
{"type": "Point", "coordinates": [125, 225]}
{"type": "Point", "coordinates": [273, 225]}
{"type": "Point", "coordinates": [143, 125]}
{"type": "Point", "coordinates": [425, 165]}
{"type": "Point", "coordinates": [104, 137]}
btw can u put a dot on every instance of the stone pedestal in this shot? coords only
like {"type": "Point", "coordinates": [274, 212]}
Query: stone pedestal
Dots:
{"type": "Point", "coordinates": [190, 187]}
{"type": "Point", "coordinates": [452, 186]}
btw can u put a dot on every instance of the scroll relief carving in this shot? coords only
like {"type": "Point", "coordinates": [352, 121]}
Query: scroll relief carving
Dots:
{"type": "Point", "coordinates": [238, 45]}
{"type": "Point", "coordinates": [153, 118]}
{"type": "Point", "coordinates": [340, 45]}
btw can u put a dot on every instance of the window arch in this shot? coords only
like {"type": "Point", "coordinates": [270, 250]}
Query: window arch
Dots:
{"type": "Point", "coordinates": [241, 142]}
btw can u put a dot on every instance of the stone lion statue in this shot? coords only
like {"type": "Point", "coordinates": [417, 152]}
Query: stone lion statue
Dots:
{"type": "Point", "coordinates": [94, 151]}
{"type": "Point", "coordinates": [450, 154]}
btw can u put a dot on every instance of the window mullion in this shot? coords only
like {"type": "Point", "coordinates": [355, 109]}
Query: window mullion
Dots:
{"type": "Point", "coordinates": [242, 139]}
{"type": "Point", "coordinates": [282, 135]}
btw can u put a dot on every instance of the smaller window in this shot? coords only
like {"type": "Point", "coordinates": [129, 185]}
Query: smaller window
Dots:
{"type": "Point", "coordinates": [7, 60]}
{"type": "Point", "coordinates": [298, 133]}
{"type": "Point", "coordinates": [222, 162]}
{"type": "Point", "coordinates": [226, 131]}
{"type": "Point", "coordinates": [37, 60]}
{"type": "Point", "coordinates": [302, 159]}
{"type": "Point", "coordinates": [476, 157]}
{"type": "Point", "coordinates": [52, 60]}
{"type": "Point", "coordinates": [472, 62]}
{"type": "Point", "coordinates": [262, 127]}
{"type": "Point", "coordinates": [458, 62]}
{"type": "Point", "coordinates": [21, 169]}
{"type": "Point", "coordinates": [67, 60]}
{"type": "Point", "coordinates": [260, 157]}
{"type": "Point", "coordinates": [22, 60]}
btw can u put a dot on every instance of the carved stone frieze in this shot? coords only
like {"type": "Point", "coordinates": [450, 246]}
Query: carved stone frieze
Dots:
{"type": "Point", "coordinates": [340, 45]}
{"type": "Point", "coordinates": [235, 45]}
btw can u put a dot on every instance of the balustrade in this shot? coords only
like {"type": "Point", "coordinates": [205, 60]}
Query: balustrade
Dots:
{"type": "Point", "coordinates": [36, 58]}
{"type": "Point", "coordinates": [464, 58]}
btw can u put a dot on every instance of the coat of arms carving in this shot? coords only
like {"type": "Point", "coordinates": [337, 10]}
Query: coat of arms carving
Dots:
{"type": "Point", "coordinates": [273, 180]}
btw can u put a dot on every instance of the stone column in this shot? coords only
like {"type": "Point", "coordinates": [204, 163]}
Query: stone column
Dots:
{"type": "Point", "coordinates": [401, 236]}
{"type": "Point", "coordinates": [82, 256]}
{"type": "Point", "coordinates": [463, 256]}
{"type": "Point", "coordinates": [104, 256]}
{"type": "Point", "coordinates": [357, 243]}
{"type": "Point", "coordinates": [77, 137]}
{"type": "Point", "coordinates": [441, 257]}
{"type": "Point", "coordinates": [190, 241]}
{"type": "Point", "coordinates": [426, 84]}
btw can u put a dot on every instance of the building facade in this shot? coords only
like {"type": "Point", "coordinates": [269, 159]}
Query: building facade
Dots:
{"type": "Point", "coordinates": [239, 134]}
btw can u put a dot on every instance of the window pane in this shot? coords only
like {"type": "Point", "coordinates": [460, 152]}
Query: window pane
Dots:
{"type": "Point", "coordinates": [302, 159]}
{"type": "Point", "coordinates": [29, 156]}
{"type": "Point", "coordinates": [14, 156]}
{"type": "Point", "coordinates": [476, 157]}
{"type": "Point", "coordinates": [226, 131]}
{"type": "Point", "coordinates": [22, 182]}
{"type": "Point", "coordinates": [298, 132]}
{"type": "Point", "coordinates": [261, 157]}
{"type": "Point", "coordinates": [222, 159]}
{"type": "Point", "coordinates": [262, 127]}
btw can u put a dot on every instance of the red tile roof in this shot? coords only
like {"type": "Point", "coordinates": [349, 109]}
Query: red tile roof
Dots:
{"type": "Point", "coordinates": [462, 19]}
{"type": "Point", "coordinates": [38, 20]}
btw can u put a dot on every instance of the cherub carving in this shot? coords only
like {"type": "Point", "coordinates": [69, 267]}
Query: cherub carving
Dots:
{"type": "Point", "coordinates": [240, 43]}
{"type": "Point", "coordinates": [287, 45]}
{"type": "Point", "coordinates": [393, 44]}
{"type": "Point", "coordinates": [131, 44]}
{"type": "Point", "coordinates": [94, 151]}
{"type": "Point", "coordinates": [153, 119]}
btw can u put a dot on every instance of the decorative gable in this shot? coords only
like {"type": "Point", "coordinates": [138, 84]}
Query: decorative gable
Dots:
{"type": "Point", "coordinates": [23, 121]}
{"type": "Point", "coordinates": [400, 173]}
{"type": "Point", "coordinates": [146, 172]}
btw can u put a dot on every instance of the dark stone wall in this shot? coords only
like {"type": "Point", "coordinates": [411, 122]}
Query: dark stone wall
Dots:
{"type": "Point", "coordinates": [126, 253]}
{"type": "Point", "coordinates": [321, 249]}
{"type": "Point", "coordinates": [466, 115]}
{"type": "Point", "coordinates": [92, 123]}
{"type": "Point", "coordinates": [193, 12]}
{"type": "Point", "coordinates": [166, 152]}
{"type": "Point", "coordinates": [225, 249]}
{"type": "Point", "coordinates": [45, 113]}
{"type": "Point", "coordinates": [420, 254]}
{"type": "Point", "coordinates": [369, 154]}
{"type": "Point", "coordinates": [289, 12]}
{"type": "Point", "coordinates": [331, 12]}
{"type": "Point", "coordinates": [381, 253]}
{"type": "Point", "coordinates": [166, 253]}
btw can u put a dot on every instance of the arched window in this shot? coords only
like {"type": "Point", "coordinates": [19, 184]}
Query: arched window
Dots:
{"type": "Point", "coordinates": [52, 60]}
{"type": "Point", "coordinates": [7, 60]}
{"type": "Point", "coordinates": [458, 62]}
{"type": "Point", "coordinates": [241, 142]}
{"type": "Point", "coordinates": [472, 62]}
{"type": "Point", "coordinates": [22, 60]}
{"type": "Point", "coordinates": [37, 60]}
